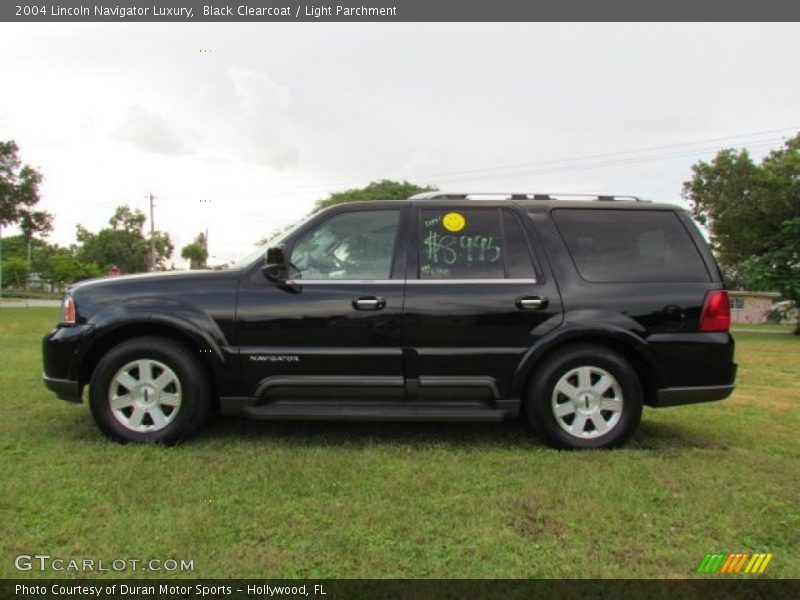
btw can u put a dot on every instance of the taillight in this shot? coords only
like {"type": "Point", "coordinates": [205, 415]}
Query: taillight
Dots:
{"type": "Point", "coordinates": [67, 311]}
{"type": "Point", "coordinates": [716, 315]}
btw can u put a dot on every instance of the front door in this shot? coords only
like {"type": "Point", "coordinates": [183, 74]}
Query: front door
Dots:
{"type": "Point", "coordinates": [475, 301]}
{"type": "Point", "coordinates": [334, 331]}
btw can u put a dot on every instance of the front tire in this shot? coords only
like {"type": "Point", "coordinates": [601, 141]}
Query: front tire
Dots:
{"type": "Point", "coordinates": [584, 396]}
{"type": "Point", "coordinates": [149, 389]}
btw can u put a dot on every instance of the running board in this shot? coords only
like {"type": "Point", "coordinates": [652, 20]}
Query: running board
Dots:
{"type": "Point", "coordinates": [377, 411]}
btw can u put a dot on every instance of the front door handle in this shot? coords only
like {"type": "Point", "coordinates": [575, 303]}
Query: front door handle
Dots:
{"type": "Point", "coordinates": [531, 303]}
{"type": "Point", "coordinates": [369, 303]}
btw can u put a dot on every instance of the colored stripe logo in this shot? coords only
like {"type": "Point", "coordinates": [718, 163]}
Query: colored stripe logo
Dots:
{"type": "Point", "coordinates": [735, 563]}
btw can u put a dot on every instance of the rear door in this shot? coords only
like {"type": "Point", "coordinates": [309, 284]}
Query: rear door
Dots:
{"type": "Point", "coordinates": [475, 301]}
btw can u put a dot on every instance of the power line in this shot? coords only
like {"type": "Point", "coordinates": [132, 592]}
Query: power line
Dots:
{"type": "Point", "coordinates": [607, 163]}
{"type": "Point", "coordinates": [566, 165]}
{"type": "Point", "coordinates": [618, 153]}
{"type": "Point", "coordinates": [463, 175]}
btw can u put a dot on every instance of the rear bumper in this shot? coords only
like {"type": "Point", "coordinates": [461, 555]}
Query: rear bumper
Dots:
{"type": "Point", "coordinates": [65, 389]}
{"type": "Point", "coordinates": [696, 367]}
{"type": "Point", "coordinates": [677, 396]}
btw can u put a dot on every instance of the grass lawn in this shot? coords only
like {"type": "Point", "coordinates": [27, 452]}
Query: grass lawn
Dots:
{"type": "Point", "coordinates": [787, 327]}
{"type": "Point", "coordinates": [317, 500]}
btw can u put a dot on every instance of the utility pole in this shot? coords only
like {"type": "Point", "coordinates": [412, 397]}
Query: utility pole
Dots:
{"type": "Point", "coordinates": [152, 261]}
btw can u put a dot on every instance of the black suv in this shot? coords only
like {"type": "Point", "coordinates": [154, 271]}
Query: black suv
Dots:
{"type": "Point", "coordinates": [572, 312]}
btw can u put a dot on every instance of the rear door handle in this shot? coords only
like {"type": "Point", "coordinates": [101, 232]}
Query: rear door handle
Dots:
{"type": "Point", "coordinates": [369, 303]}
{"type": "Point", "coordinates": [531, 303]}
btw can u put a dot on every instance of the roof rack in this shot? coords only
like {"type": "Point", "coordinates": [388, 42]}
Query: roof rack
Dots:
{"type": "Point", "coordinates": [524, 196]}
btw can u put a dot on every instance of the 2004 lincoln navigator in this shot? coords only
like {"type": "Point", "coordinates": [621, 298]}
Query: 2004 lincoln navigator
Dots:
{"type": "Point", "coordinates": [570, 312]}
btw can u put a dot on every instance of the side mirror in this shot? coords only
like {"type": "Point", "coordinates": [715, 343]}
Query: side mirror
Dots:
{"type": "Point", "coordinates": [276, 268]}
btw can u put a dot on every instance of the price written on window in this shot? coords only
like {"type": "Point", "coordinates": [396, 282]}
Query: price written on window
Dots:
{"type": "Point", "coordinates": [450, 249]}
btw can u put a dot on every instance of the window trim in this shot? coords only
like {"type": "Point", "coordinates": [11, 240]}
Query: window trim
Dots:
{"type": "Point", "coordinates": [487, 281]}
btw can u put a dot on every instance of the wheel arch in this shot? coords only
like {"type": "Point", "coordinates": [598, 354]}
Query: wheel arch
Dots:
{"type": "Point", "coordinates": [627, 344]}
{"type": "Point", "coordinates": [210, 358]}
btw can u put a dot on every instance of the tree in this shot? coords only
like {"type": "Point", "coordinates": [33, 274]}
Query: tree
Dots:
{"type": "Point", "coordinates": [15, 271]}
{"type": "Point", "coordinates": [19, 193]}
{"type": "Point", "coordinates": [384, 189]}
{"type": "Point", "coordinates": [19, 185]}
{"type": "Point", "coordinates": [127, 220]}
{"type": "Point", "coordinates": [123, 244]}
{"type": "Point", "coordinates": [196, 252]}
{"type": "Point", "coordinates": [753, 214]}
{"type": "Point", "coordinates": [59, 265]}
{"type": "Point", "coordinates": [34, 222]}
{"type": "Point", "coordinates": [64, 267]}
{"type": "Point", "coordinates": [16, 246]}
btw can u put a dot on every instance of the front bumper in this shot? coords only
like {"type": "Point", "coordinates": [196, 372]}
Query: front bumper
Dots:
{"type": "Point", "coordinates": [61, 357]}
{"type": "Point", "coordinates": [65, 389]}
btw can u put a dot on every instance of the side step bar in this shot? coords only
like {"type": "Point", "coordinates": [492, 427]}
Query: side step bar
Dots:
{"type": "Point", "coordinates": [369, 411]}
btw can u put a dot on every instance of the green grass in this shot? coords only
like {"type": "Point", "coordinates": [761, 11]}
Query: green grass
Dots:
{"type": "Point", "coordinates": [762, 327]}
{"type": "Point", "coordinates": [405, 500]}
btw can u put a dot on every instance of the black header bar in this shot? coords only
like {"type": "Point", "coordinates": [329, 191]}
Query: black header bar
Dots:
{"type": "Point", "coordinates": [399, 10]}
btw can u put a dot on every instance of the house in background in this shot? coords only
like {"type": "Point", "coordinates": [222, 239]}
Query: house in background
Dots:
{"type": "Point", "coordinates": [35, 282]}
{"type": "Point", "coordinates": [751, 307]}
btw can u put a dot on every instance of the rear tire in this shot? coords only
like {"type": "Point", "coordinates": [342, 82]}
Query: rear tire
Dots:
{"type": "Point", "coordinates": [584, 396]}
{"type": "Point", "coordinates": [149, 389]}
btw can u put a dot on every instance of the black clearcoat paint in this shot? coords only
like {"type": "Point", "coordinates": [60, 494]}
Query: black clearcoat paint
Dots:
{"type": "Point", "coordinates": [429, 342]}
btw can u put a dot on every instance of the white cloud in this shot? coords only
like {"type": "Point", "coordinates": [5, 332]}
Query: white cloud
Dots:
{"type": "Point", "coordinates": [152, 132]}
{"type": "Point", "coordinates": [262, 123]}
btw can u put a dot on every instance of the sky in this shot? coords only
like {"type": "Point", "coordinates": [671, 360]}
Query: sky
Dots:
{"type": "Point", "coordinates": [237, 128]}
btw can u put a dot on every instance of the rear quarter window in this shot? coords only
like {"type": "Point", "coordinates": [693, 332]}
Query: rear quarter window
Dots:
{"type": "Point", "coordinates": [618, 246]}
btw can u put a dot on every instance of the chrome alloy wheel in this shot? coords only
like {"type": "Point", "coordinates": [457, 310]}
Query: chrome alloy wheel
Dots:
{"type": "Point", "coordinates": [145, 395]}
{"type": "Point", "coordinates": [587, 402]}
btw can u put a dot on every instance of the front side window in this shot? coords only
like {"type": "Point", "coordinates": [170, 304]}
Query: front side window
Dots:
{"type": "Point", "coordinates": [352, 245]}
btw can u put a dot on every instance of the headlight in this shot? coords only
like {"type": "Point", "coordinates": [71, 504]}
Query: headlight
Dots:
{"type": "Point", "coordinates": [67, 311]}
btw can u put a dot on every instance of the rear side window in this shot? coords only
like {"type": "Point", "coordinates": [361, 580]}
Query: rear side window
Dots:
{"type": "Point", "coordinates": [630, 246]}
{"type": "Point", "coordinates": [461, 244]}
{"type": "Point", "coordinates": [473, 243]}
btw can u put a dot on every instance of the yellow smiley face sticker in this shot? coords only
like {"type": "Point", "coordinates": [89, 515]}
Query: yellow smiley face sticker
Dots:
{"type": "Point", "coordinates": [454, 222]}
